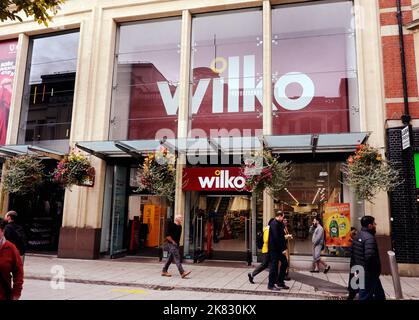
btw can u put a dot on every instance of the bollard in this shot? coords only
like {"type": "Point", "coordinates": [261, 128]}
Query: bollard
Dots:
{"type": "Point", "coordinates": [395, 275]}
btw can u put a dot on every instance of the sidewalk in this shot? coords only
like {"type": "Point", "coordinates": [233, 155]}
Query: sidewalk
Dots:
{"type": "Point", "coordinates": [211, 277]}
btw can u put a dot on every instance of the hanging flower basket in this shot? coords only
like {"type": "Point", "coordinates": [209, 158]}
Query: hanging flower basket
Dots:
{"type": "Point", "coordinates": [368, 173]}
{"type": "Point", "coordinates": [23, 175]}
{"type": "Point", "coordinates": [270, 174]}
{"type": "Point", "coordinates": [74, 169]}
{"type": "Point", "coordinates": [157, 175]}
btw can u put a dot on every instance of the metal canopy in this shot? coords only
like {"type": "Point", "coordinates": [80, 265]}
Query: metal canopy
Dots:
{"type": "Point", "coordinates": [342, 142]}
{"type": "Point", "coordinates": [337, 142]}
{"type": "Point", "coordinates": [16, 150]}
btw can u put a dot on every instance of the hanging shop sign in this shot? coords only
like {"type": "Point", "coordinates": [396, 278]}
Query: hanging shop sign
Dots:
{"type": "Point", "coordinates": [213, 179]}
{"type": "Point", "coordinates": [337, 224]}
{"type": "Point", "coordinates": [405, 138]}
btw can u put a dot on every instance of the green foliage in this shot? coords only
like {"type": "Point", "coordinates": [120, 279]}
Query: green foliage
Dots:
{"type": "Point", "coordinates": [157, 175]}
{"type": "Point", "coordinates": [368, 173]}
{"type": "Point", "coordinates": [272, 176]}
{"type": "Point", "coordinates": [23, 174]}
{"type": "Point", "coordinates": [10, 9]}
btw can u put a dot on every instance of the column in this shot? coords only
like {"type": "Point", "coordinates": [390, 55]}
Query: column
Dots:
{"type": "Point", "coordinates": [183, 115]}
{"type": "Point", "coordinates": [268, 204]}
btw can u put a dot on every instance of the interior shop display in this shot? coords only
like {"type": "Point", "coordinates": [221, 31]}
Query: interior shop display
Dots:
{"type": "Point", "coordinates": [151, 218]}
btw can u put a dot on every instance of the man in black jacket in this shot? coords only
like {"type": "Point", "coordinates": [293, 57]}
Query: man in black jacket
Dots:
{"type": "Point", "coordinates": [15, 233]}
{"type": "Point", "coordinates": [277, 247]}
{"type": "Point", "coordinates": [365, 254]}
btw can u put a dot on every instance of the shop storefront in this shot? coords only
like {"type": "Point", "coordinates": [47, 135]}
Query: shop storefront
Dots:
{"type": "Point", "coordinates": [315, 124]}
{"type": "Point", "coordinates": [223, 82]}
{"type": "Point", "coordinates": [44, 128]}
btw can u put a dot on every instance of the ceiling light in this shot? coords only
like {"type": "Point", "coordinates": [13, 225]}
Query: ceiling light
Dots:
{"type": "Point", "coordinates": [296, 201]}
{"type": "Point", "coordinates": [320, 180]}
{"type": "Point", "coordinates": [323, 174]}
{"type": "Point", "coordinates": [314, 199]}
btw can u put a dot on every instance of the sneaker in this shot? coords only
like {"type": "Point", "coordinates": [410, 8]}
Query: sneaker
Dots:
{"type": "Point", "coordinates": [327, 269]}
{"type": "Point", "coordinates": [185, 274]}
{"type": "Point", "coordinates": [274, 288]}
{"type": "Point", "coordinates": [250, 278]}
{"type": "Point", "coordinates": [283, 286]}
{"type": "Point", "coordinates": [287, 278]}
{"type": "Point", "coordinates": [166, 274]}
{"type": "Point", "coordinates": [314, 271]}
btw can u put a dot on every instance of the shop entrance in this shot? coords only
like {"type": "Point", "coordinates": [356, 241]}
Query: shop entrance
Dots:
{"type": "Point", "coordinates": [220, 227]}
{"type": "Point", "coordinates": [315, 189]}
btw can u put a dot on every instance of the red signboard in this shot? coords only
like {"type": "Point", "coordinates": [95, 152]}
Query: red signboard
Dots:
{"type": "Point", "coordinates": [213, 179]}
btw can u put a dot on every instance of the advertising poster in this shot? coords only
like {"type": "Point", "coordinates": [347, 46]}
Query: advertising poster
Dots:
{"type": "Point", "coordinates": [7, 72]}
{"type": "Point", "coordinates": [337, 224]}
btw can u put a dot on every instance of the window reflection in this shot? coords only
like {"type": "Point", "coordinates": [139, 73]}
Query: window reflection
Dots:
{"type": "Point", "coordinates": [49, 91]}
{"type": "Point", "coordinates": [145, 97]}
{"type": "Point", "coordinates": [314, 69]}
{"type": "Point", "coordinates": [227, 73]}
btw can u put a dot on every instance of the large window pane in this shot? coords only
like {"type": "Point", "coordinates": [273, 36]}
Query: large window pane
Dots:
{"type": "Point", "coordinates": [49, 91]}
{"type": "Point", "coordinates": [227, 73]}
{"type": "Point", "coordinates": [314, 69]}
{"type": "Point", "coordinates": [145, 96]}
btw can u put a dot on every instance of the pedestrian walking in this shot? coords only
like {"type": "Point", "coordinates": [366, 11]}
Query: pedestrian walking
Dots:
{"type": "Point", "coordinates": [352, 291]}
{"type": "Point", "coordinates": [265, 254]}
{"type": "Point", "coordinates": [318, 244]}
{"type": "Point", "coordinates": [15, 233]}
{"type": "Point", "coordinates": [11, 268]}
{"type": "Point", "coordinates": [365, 254]}
{"type": "Point", "coordinates": [277, 249]}
{"type": "Point", "coordinates": [288, 238]}
{"type": "Point", "coordinates": [172, 247]}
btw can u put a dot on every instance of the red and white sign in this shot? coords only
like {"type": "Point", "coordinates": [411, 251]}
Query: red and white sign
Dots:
{"type": "Point", "coordinates": [213, 179]}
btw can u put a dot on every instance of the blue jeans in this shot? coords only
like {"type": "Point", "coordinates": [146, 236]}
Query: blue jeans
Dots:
{"type": "Point", "coordinates": [373, 289]}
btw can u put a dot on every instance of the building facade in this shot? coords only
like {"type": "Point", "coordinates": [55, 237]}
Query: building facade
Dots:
{"type": "Point", "coordinates": [213, 82]}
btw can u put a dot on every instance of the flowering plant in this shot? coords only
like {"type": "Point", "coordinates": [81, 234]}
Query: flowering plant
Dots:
{"type": "Point", "coordinates": [158, 174]}
{"type": "Point", "coordinates": [74, 168]}
{"type": "Point", "coordinates": [368, 173]}
{"type": "Point", "coordinates": [23, 174]}
{"type": "Point", "coordinates": [269, 174]}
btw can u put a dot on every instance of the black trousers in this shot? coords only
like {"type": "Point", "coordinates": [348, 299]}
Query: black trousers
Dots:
{"type": "Point", "coordinates": [274, 277]}
{"type": "Point", "coordinates": [263, 265]}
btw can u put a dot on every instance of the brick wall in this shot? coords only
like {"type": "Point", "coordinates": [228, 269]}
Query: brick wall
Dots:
{"type": "Point", "coordinates": [404, 207]}
{"type": "Point", "coordinates": [393, 86]}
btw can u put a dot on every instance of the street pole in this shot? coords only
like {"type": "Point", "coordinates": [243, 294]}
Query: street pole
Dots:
{"type": "Point", "coordinates": [395, 274]}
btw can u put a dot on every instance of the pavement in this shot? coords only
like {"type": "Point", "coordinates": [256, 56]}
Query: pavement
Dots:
{"type": "Point", "coordinates": [51, 278]}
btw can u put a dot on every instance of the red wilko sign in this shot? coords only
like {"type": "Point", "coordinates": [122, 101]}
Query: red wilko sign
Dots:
{"type": "Point", "coordinates": [213, 179]}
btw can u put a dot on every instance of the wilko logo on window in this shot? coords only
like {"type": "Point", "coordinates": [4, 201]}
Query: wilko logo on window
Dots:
{"type": "Point", "coordinates": [213, 179]}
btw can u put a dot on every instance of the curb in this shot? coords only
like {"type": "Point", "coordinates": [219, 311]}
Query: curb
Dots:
{"type": "Point", "coordinates": [195, 289]}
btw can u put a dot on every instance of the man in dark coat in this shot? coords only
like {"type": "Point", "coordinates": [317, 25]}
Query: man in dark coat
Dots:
{"type": "Point", "coordinates": [15, 233]}
{"type": "Point", "coordinates": [277, 252]}
{"type": "Point", "coordinates": [365, 255]}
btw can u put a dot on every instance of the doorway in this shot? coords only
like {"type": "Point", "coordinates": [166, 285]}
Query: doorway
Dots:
{"type": "Point", "coordinates": [220, 227]}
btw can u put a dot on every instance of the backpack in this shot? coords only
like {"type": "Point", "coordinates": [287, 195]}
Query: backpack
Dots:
{"type": "Point", "coordinates": [259, 240]}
